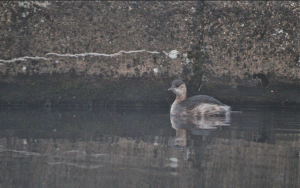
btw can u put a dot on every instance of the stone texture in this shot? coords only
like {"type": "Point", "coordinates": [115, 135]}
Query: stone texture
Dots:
{"type": "Point", "coordinates": [97, 53]}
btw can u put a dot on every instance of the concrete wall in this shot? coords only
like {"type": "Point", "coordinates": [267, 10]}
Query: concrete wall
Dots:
{"type": "Point", "coordinates": [127, 53]}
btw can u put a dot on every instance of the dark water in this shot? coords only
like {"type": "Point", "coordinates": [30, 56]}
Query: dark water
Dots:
{"type": "Point", "coordinates": [140, 147]}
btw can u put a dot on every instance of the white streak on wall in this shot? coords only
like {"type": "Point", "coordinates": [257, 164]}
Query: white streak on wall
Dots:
{"type": "Point", "coordinates": [98, 54]}
{"type": "Point", "coordinates": [75, 55]}
{"type": "Point", "coordinates": [13, 60]}
{"type": "Point", "coordinates": [23, 59]}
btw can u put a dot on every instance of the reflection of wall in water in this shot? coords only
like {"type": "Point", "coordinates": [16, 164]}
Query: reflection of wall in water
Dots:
{"type": "Point", "coordinates": [224, 161]}
{"type": "Point", "coordinates": [122, 160]}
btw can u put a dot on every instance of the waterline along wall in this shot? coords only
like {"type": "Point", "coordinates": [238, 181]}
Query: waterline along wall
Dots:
{"type": "Point", "coordinates": [127, 53]}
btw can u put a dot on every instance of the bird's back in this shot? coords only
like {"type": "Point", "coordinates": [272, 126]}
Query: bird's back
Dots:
{"type": "Point", "coordinates": [195, 101]}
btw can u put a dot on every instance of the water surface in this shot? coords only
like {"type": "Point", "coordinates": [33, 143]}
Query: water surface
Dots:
{"type": "Point", "coordinates": [144, 147]}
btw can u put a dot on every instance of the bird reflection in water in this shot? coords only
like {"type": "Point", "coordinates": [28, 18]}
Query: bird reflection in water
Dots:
{"type": "Point", "coordinates": [196, 125]}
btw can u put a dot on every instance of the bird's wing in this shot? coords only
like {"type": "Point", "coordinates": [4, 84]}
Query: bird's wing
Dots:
{"type": "Point", "coordinates": [194, 101]}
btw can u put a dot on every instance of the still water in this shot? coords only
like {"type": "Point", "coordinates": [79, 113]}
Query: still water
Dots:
{"type": "Point", "coordinates": [144, 147]}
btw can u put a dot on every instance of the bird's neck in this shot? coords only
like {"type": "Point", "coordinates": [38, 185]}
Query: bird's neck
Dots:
{"type": "Point", "coordinates": [180, 98]}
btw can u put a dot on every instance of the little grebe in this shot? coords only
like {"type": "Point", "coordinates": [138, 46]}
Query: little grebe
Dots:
{"type": "Point", "coordinates": [199, 105]}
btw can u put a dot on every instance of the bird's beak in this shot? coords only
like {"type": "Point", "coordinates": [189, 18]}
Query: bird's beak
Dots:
{"type": "Point", "coordinates": [171, 89]}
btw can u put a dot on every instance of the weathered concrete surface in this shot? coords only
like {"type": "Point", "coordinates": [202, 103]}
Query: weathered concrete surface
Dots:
{"type": "Point", "coordinates": [103, 53]}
